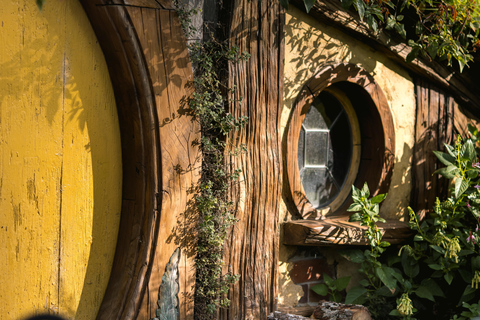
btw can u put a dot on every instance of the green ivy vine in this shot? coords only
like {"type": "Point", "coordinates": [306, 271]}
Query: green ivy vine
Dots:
{"type": "Point", "coordinates": [210, 58]}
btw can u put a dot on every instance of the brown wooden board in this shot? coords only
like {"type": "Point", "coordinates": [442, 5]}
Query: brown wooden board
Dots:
{"type": "Point", "coordinates": [150, 70]}
{"type": "Point", "coordinates": [252, 250]}
{"type": "Point", "coordinates": [439, 119]}
{"type": "Point", "coordinates": [335, 231]}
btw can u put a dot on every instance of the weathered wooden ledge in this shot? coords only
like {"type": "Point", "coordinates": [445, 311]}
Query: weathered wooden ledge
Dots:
{"type": "Point", "coordinates": [339, 231]}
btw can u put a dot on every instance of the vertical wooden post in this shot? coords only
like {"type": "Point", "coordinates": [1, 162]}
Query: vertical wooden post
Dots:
{"type": "Point", "coordinates": [257, 28]}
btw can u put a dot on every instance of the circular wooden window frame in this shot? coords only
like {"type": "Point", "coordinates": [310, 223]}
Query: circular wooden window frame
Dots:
{"type": "Point", "coordinates": [379, 172]}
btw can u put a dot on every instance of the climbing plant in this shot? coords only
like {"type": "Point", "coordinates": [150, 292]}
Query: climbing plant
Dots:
{"type": "Point", "coordinates": [445, 30]}
{"type": "Point", "coordinates": [215, 210]}
{"type": "Point", "coordinates": [216, 217]}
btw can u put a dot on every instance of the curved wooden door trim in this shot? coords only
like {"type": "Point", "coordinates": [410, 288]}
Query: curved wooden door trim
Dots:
{"type": "Point", "coordinates": [140, 155]}
{"type": "Point", "coordinates": [378, 173]}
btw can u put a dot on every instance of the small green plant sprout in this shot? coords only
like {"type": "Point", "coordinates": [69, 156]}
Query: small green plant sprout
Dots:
{"type": "Point", "coordinates": [332, 288]}
{"type": "Point", "coordinates": [380, 279]}
{"type": "Point", "coordinates": [367, 212]}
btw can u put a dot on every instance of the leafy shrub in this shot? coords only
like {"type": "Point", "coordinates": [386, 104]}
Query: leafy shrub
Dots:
{"type": "Point", "coordinates": [438, 273]}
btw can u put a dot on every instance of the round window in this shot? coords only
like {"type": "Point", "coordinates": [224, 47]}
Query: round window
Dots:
{"type": "Point", "coordinates": [340, 134]}
{"type": "Point", "coordinates": [329, 147]}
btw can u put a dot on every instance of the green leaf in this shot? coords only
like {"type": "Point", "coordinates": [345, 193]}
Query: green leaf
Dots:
{"type": "Point", "coordinates": [460, 186]}
{"type": "Point", "coordinates": [355, 207]}
{"type": "Point", "coordinates": [450, 149]}
{"type": "Point", "coordinates": [438, 249]}
{"type": "Point", "coordinates": [342, 283]}
{"type": "Point", "coordinates": [468, 294]}
{"type": "Point", "coordinates": [365, 191]}
{"type": "Point", "coordinates": [284, 4]}
{"type": "Point", "coordinates": [385, 274]}
{"type": "Point", "coordinates": [472, 173]}
{"type": "Point", "coordinates": [328, 280]}
{"type": "Point", "coordinates": [390, 22]}
{"type": "Point", "coordinates": [378, 198]}
{"type": "Point", "coordinates": [448, 277]}
{"type": "Point", "coordinates": [356, 192]}
{"type": "Point", "coordinates": [424, 292]}
{"type": "Point", "coordinates": [445, 158]}
{"type": "Point", "coordinates": [433, 287]}
{"type": "Point", "coordinates": [320, 289]}
{"type": "Point", "coordinates": [467, 152]}
{"type": "Point", "coordinates": [418, 237]}
{"type": "Point", "coordinates": [476, 263]}
{"type": "Point", "coordinates": [346, 4]}
{"type": "Point", "coordinates": [413, 54]}
{"type": "Point", "coordinates": [355, 256]}
{"type": "Point", "coordinates": [384, 292]}
{"type": "Point", "coordinates": [355, 217]}
{"type": "Point", "coordinates": [360, 6]}
{"type": "Point", "coordinates": [355, 295]}
{"type": "Point", "coordinates": [40, 4]}
{"type": "Point", "coordinates": [410, 266]}
{"type": "Point", "coordinates": [432, 49]}
{"type": "Point", "coordinates": [435, 266]}
{"type": "Point", "coordinates": [395, 312]}
{"type": "Point", "coordinates": [449, 172]}
{"type": "Point", "coordinates": [400, 28]}
{"type": "Point", "coordinates": [309, 4]}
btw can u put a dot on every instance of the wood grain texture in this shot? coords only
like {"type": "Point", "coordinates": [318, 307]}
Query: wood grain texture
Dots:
{"type": "Point", "coordinates": [329, 310]}
{"type": "Point", "coordinates": [378, 135]}
{"type": "Point", "coordinates": [164, 48]}
{"type": "Point", "coordinates": [462, 86]}
{"type": "Point", "coordinates": [252, 250]}
{"type": "Point", "coordinates": [150, 70]}
{"type": "Point", "coordinates": [439, 120]}
{"type": "Point", "coordinates": [335, 231]}
{"type": "Point", "coordinates": [60, 163]}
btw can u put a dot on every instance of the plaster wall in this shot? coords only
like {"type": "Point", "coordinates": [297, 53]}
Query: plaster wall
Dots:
{"type": "Point", "coordinates": [309, 45]}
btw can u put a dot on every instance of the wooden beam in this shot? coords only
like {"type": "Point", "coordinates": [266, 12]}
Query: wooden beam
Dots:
{"type": "Point", "coordinates": [334, 231]}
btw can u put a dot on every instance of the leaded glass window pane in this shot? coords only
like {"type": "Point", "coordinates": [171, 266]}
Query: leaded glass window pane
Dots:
{"type": "Point", "coordinates": [324, 150]}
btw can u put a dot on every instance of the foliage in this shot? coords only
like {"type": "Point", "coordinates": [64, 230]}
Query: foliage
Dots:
{"type": "Point", "coordinates": [216, 217]}
{"type": "Point", "coordinates": [185, 15]}
{"type": "Point", "coordinates": [439, 29]}
{"type": "Point", "coordinates": [332, 288]}
{"type": "Point", "coordinates": [440, 270]}
{"type": "Point", "coordinates": [40, 3]}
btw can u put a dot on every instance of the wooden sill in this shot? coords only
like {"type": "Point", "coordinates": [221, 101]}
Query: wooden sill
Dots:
{"type": "Point", "coordinates": [334, 231]}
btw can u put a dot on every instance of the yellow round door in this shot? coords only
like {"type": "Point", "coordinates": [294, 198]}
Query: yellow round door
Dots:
{"type": "Point", "coordinates": [60, 162]}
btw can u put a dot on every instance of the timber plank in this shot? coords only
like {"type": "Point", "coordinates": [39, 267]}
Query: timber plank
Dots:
{"type": "Point", "coordinates": [339, 231]}
{"type": "Point", "coordinates": [170, 73]}
{"type": "Point", "coordinates": [252, 250]}
{"type": "Point", "coordinates": [439, 120]}
{"type": "Point", "coordinates": [149, 67]}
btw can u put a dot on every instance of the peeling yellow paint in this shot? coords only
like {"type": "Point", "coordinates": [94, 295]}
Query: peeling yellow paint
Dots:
{"type": "Point", "coordinates": [60, 162]}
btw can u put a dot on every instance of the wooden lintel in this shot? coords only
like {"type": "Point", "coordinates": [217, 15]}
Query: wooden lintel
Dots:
{"type": "Point", "coordinates": [461, 85]}
{"type": "Point", "coordinates": [336, 231]}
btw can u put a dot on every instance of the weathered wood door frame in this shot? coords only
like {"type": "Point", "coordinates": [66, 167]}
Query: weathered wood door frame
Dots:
{"type": "Point", "coordinates": [128, 292]}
